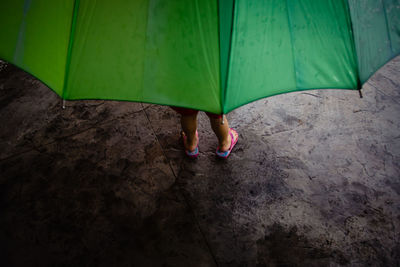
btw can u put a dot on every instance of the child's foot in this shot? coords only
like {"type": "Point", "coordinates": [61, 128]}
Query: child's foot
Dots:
{"type": "Point", "coordinates": [191, 146]}
{"type": "Point", "coordinates": [225, 150]}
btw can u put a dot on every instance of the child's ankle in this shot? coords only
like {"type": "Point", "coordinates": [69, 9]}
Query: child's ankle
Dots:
{"type": "Point", "coordinates": [225, 144]}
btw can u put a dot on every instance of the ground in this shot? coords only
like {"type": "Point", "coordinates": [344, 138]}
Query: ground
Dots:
{"type": "Point", "coordinates": [313, 181]}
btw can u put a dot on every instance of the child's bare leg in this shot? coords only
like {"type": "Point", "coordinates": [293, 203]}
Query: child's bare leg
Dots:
{"type": "Point", "coordinates": [189, 127]}
{"type": "Point", "coordinates": [222, 132]}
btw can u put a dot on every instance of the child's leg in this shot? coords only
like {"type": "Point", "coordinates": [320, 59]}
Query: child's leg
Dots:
{"type": "Point", "coordinates": [189, 127]}
{"type": "Point", "coordinates": [221, 131]}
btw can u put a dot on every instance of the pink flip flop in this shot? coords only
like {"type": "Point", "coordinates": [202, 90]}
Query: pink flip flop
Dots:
{"type": "Point", "coordinates": [194, 153]}
{"type": "Point", "coordinates": [225, 154]}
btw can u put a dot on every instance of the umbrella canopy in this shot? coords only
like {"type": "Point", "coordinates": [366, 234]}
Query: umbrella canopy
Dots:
{"type": "Point", "coordinates": [211, 55]}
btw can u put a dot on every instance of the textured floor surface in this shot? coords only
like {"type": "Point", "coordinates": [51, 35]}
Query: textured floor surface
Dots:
{"type": "Point", "coordinates": [313, 181]}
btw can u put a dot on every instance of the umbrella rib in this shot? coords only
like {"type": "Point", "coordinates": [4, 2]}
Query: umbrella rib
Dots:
{"type": "Point", "coordinates": [288, 14]}
{"type": "Point", "coordinates": [387, 27]}
{"type": "Point", "coordinates": [71, 41]}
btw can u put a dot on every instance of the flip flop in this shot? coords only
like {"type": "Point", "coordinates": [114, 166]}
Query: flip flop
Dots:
{"type": "Point", "coordinates": [194, 153]}
{"type": "Point", "coordinates": [225, 154]}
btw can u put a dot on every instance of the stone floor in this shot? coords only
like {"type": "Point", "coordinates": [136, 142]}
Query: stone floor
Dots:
{"type": "Point", "coordinates": [313, 181]}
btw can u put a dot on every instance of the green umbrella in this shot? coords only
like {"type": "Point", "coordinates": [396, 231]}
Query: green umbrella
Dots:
{"type": "Point", "coordinates": [211, 55]}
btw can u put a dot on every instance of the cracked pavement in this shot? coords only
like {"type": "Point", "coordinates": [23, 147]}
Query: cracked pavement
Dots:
{"type": "Point", "coordinates": [313, 181]}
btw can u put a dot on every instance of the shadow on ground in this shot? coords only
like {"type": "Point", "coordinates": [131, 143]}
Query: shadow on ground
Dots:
{"type": "Point", "coordinates": [313, 181]}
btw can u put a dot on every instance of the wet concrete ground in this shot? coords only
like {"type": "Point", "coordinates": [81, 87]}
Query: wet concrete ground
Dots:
{"type": "Point", "coordinates": [313, 181]}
